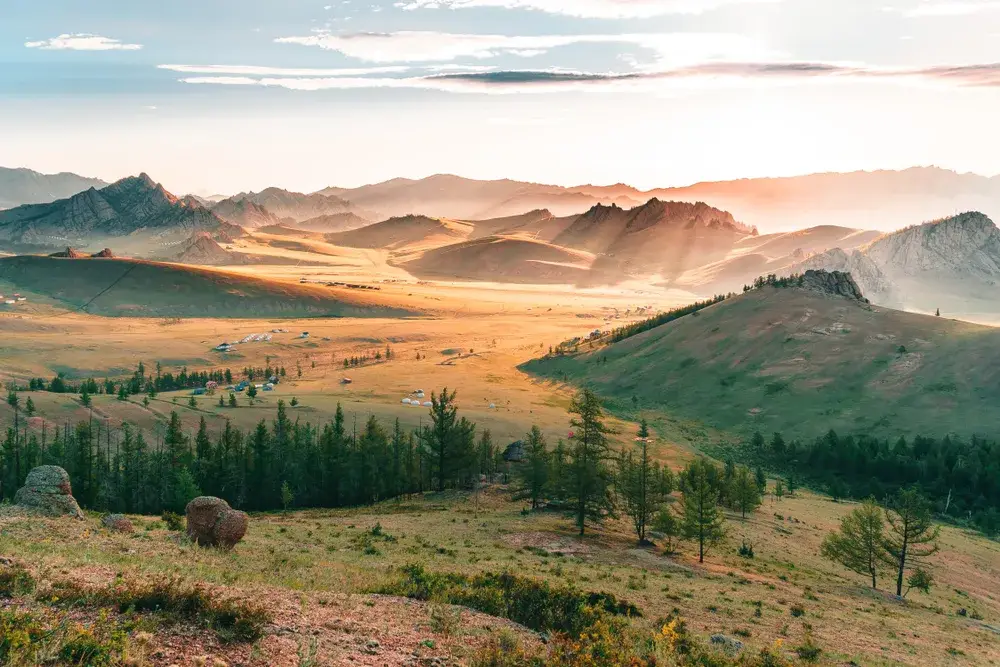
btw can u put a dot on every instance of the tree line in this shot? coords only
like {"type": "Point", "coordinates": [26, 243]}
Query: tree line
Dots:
{"type": "Point", "coordinates": [962, 477]}
{"type": "Point", "coordinates": [271, 466]}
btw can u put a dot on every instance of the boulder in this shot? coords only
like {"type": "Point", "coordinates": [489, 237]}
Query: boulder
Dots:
{"type": "Point", "coordinates": [730, 645]}
{"type": "Point", "coordinates": [211, 522]}
{"type": "Point", "coordinates": [117, 523]}
{"type": "Point", "coordinates": [47, 491]}
{"type": "Point", "coordinates": [833, 282]}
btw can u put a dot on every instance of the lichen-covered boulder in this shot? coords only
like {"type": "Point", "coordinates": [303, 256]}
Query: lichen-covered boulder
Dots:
{"type": "Point", "coordinates": [47, 491]}
{"type": "Point", "coordinates": [211, 522]}
{"type": "Point", "coordinates": [117, 523]}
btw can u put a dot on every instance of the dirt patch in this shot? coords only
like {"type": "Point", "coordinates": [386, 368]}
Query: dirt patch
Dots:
{"type": "Point", "coordinates": [554, 544]}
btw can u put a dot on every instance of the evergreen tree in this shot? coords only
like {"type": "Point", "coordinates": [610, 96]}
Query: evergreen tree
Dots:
{"type": "Point", "coordinates": [640, 485]}
{"type": "Point", "coordinates": [448, 440]}
{"type": "Point", "coordinates": [232, 400]}
{"type": "Point", "coordinates": [29, 408]}
{"type": "Point", "coordinates": [912, 535]}
{"type": "Point", "coordinates": [666, 524]}
{"type": "Point", "coordinates": [589, 479]}
{"type": "Point", "coordinates": [745, 493]}
{"type": "Point", "coordinates": [860, 543]}
{"type": "Point", "coordinates": [534, 474]}
{"type": "Point", "coordinates": [701, 518]}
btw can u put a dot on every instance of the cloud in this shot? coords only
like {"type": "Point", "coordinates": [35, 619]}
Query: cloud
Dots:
{"type": "Point", "coordinates": [601, 9]}
{"type": "Point", "coordinates": [671, 49]}
{"type": "Point", "coordinates": [82, 42]}
{"type": "Point", "coordinates": [254, 70]}
{"type": "Point", "coordinates": [930, 8]}
{"type": "Point", "coordinates": [703, 75]}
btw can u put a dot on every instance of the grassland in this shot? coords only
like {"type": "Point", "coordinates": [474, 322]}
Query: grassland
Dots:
{"type": "Point", "coordinates": [803, 360]}
{"type": "Point", "coordinates": [801, 363]}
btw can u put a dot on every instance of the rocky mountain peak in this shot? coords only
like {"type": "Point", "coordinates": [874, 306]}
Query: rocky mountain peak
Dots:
{"type": "Point", "coordinates": [965, 244]}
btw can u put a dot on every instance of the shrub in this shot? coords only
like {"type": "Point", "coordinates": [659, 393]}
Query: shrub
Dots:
{"type": "Point", "coordinates": [15, 580]}
{"type": "Point", "coordinates": [797, 610]}
{"type": "Point", "coordinates": [532, 603]}
{"type": "Point", "coordinates": [173, 520]}
{"type": "Point", "coordinates": [232, 620]}
{"type": "Point", "coordinates": [29, 640]}
{"type": "Point", "coordinates": [746, 550]}
{"type": "Point", "coordinates": [808, 651]}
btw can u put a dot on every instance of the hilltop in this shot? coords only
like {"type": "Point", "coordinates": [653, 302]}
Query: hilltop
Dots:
{"type": "Point", "coordinates": [134, 207]}
{"type": "Point", "coordinates": [134, 288]}
{"type": "Point", "coordinates": [503, 259]}
{"type": "Point", "coordinates": [245, 213]}
{"type": "Point", "coordinates": [403, 232]}
{"type": "Point", "coordinates": [801, 361]}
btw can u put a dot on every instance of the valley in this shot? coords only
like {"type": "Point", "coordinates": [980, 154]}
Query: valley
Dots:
{"type": "Point", "coordinates": [334, 317]}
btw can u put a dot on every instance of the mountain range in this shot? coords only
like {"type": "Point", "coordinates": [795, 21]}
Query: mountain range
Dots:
{"type": "Point", "coordinates": [24, 186]}
{"type": "Point", "coordinates": [135, 210]}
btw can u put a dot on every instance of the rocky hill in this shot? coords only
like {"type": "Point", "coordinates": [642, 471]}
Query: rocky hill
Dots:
{"type": "Point", "coordinates": [294, 205]}
{"type": "Point", "coordinates": [659, 237]}
{"type": "Point", "coordinates": [951, 264]}
{"type": "Point", "coordinates": [25, 186]}
{"type": "Point", "coordinates": [130, 207]}
{"type": "Point", "coordinates": [334, 222]}
{"type": "Point", "coordinates": [245, 213]}
{"type": "Point", "coordinates": [836, 283]}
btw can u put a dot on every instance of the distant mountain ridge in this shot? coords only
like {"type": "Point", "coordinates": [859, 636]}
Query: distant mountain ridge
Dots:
{"type": "Point", "coordinates": [883, 199]}
{"type": "Point", "coordinates": [25, 186]}
{"type": "Point", "coordinates": [294, 205]}
{"type": "Point", "coordinates": [131, 206]}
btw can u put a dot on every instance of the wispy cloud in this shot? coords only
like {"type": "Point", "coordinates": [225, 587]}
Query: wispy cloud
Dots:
{"type": "Point", "coordinates": [930, 8]}
{"type": "Point", "coordinates": [255, 70]}
{"type": "Point", "coordinates": [696, 76]}
{"type": "Point", "coordinates": [603, 9]}
{"type": "Point", "coordinates": [82, 42]}
{"type": "Point", "coordinates": [671, 49]}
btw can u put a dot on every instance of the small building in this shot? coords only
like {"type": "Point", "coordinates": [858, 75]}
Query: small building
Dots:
{"type": "Point", "coordinates": [304, 334]}
{"type": "Point", "coordinates": [224, 347]}
{"type": "Point", "coordinates": [515, 452]}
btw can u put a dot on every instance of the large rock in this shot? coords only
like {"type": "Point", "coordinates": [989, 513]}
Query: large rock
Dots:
{"type": "Point", "coordinates": [47, 491]}
{"type": "Point", "coordinates": [211, 522]}
{"type": "Point", "coordinates": [833, 282]}
{"type": "Point", "coordinates": [117, 523]}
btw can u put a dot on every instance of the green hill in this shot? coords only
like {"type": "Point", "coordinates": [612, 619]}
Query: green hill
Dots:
{"type": "Point", "coordinates": [801, 363]}
{"type": "Point", "coordinates": [134, 288]}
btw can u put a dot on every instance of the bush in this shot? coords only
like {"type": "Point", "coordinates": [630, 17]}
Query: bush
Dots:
{"type": "Point", "coordinates": [808, 651]}
{"type": "Point", "coordinates": [746, 550]}
{"type": "Point", "coordinates": [29, 640]}
{"type": "Point", "coordinates": [232, 620]}
{"type": "Point", "coordinates": [173, 520]}
{"type": "Point", "coordinates": [797, 610]}
{"type": "Point", "coordinates": [532, 603]}
{"type": "Point", "coordinates": [15, 580]}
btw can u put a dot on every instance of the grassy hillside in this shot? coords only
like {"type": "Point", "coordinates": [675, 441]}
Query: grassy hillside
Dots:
{"type": "Point", "coordinates": [493, 258]}
{"type": "Point", "coordinates": [802, 363]}
{"type": "Point", "coordinates": [119, 287]}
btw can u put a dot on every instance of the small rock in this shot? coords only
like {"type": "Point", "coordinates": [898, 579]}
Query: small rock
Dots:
{"type": "Point", "coordinates": [728, 644]}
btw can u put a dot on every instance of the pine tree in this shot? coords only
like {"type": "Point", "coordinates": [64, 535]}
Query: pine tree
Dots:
{"type": "Point", "coordinates": [533, 477]}
{"type": "Point", "coordinates": [745, 493]}
{"type": "Point", "coordinates": [286, 496]}
{"type": "Point", "coordinates": [860, 543]}
{"type": "Point", "coordinates": [666, 524]}
{"type": "Point", "coordinates": [589, 479]}
{"type": "Point", "coordinates": [701, 518]}
{"type": "Point", "coordinates": [232, 400]}
{"type": "Point", "coordinates": [912, 535]}
{"type": "Point", "coordinates": [640, 485]}
{"type": "Point", "coordinates": [448, 440]}
{"type": "Point", "coordinates": [29, 408]}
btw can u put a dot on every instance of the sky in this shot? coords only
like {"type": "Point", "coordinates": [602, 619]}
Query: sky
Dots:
{"type": "Point", "coordinates": [222, 96]}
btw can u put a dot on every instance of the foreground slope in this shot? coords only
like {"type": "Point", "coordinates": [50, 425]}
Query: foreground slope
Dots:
{"type": "Point", "coordinates": [803, 362]}
{"type": "Point", "coordinates": [133, 288]}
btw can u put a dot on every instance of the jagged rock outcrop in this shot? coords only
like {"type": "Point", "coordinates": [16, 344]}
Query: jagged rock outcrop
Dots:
{"type": "Point", "coordinates": [123, 208]}
{"type": "Point", "coordinates": [832, 282]}
{"type": "Point", "coordinates": [966, 245]}
{"type": "Point", "coordinates": [866, 274]}
{"type": "Point", "coordinates": [201, 248]}
{"type": "Point", "coordinates": [69, 253]}
{"type": "Point", "coordinates": [104, 254]}
{"type": "Point", "coordinates": [211, 522]}
{"type": "Point", "coordinates": [47, 491]}
{"type": "Point", "coordinates": [294, 205]}
{"type": "Point", "coordinates": [245, 213]}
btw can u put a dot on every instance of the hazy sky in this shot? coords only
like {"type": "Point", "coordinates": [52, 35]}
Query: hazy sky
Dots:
{"type": "Point", "coordinates": [229, 95]}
